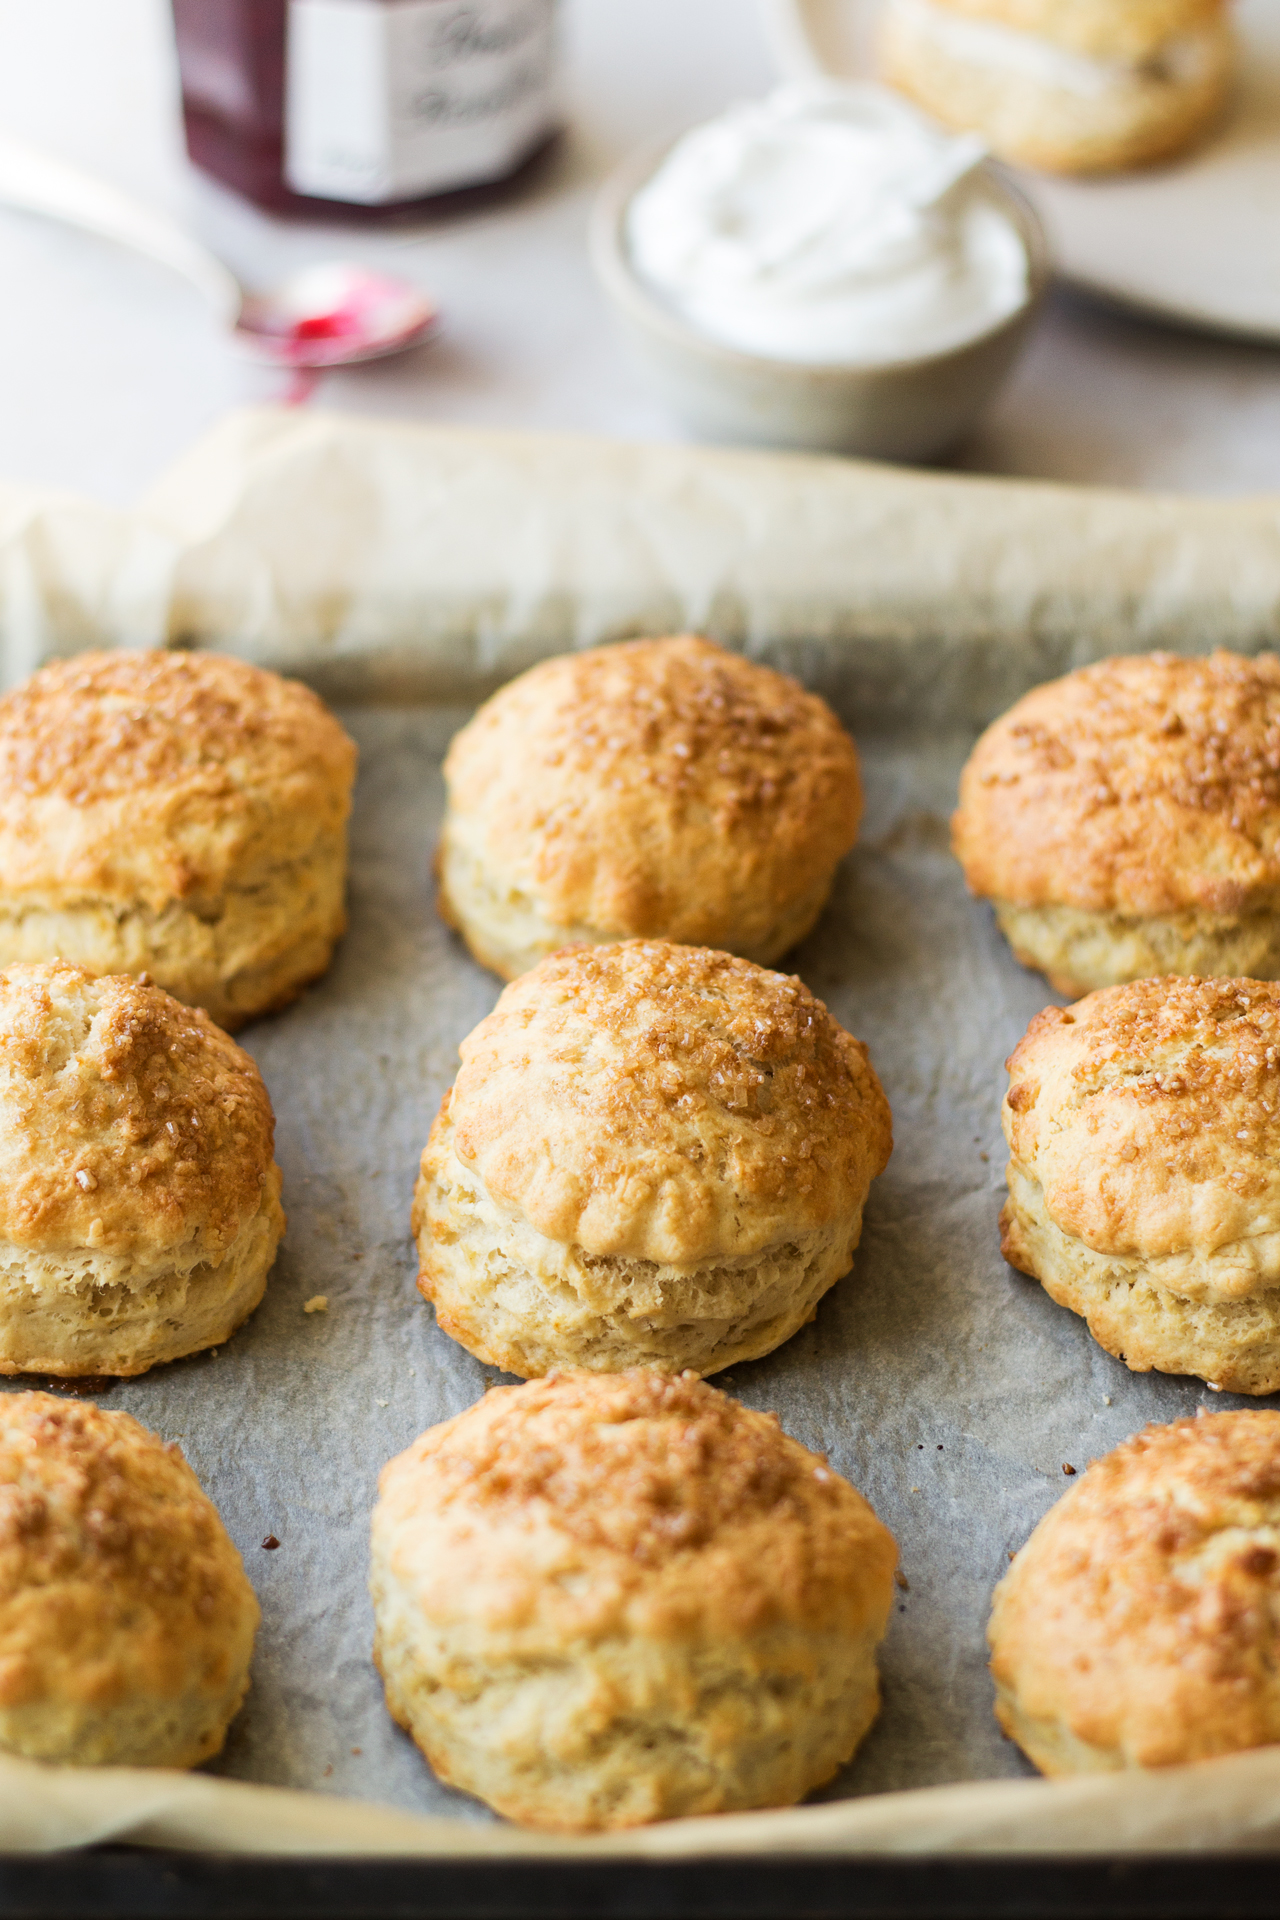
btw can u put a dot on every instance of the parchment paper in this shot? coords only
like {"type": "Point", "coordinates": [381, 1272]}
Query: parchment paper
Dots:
{"type": "Point", "coordinates": [385, 562]}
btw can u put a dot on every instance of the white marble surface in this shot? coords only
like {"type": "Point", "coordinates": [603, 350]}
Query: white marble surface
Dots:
{"type": "Point", "coordinates": [111, 368]}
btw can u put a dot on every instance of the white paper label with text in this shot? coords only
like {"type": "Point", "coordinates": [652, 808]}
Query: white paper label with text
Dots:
{"type": "Point", "coordinates": [390, 99]}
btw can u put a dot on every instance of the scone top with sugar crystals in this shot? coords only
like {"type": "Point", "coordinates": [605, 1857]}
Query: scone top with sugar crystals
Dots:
{"type": "Point", "coordinates": [153, 777]}
{"type": "Point", "coordinates": [661, 788]}
{"type": "Point", "coordinates": [666, 1103]}
{"type": "Point", "coordinates": [693, 1514]}
{"type": "Point", "coordinates": [1127, 30]}
{"type": "Point", "coordinates": [126, 1618]}
{"type": "Point", "coordinates": [607, 1599]}
{"type": "Point", "coordinates": [1145, 784]}
{"type": "Point", "coordinates": [130, 1125]}
{"type": "Point", "coordinates": [1137, 1627]}
{"type": "Point", "coordinates": [1146, 1116]}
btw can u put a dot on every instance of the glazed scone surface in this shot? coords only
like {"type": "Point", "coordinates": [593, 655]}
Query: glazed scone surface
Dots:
{"type": "Point", "coordinates": [1126, 820]}
{"type": "Point", "coordinates": [1144, 1182]}
{"type": "Point", "coordinates": [663, 788]}
{"type": "Point", "coordinates": [608, 1599]}
{"type": "Point", "coordinates": [1138, 1626]}
{"type": "Point", "coordinates": [126, 1618]}
{"type": "Point", "coordinates": [139, 1200]}
{"type": "Point", "coordinates": [652, 1154]}
{"type": "Point", "coordinates": [174, 813]}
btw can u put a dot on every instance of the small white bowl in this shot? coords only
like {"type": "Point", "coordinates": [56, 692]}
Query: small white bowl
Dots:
{"type": "Point", "coordinates": [913, 409]}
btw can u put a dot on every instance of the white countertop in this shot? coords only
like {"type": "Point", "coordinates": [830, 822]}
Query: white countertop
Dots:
{"type": "Point", "coordinates": [111, 368]}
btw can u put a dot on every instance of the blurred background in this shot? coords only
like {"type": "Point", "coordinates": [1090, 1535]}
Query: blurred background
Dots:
{"type": "Point", "coordinates": [112, 366]}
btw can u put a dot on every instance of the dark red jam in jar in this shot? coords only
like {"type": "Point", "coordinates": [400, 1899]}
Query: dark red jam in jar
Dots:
{"type": "Point", "coordinates": [366, 106]}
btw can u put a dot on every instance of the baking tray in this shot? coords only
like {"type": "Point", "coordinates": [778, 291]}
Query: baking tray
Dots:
{"type": "Point", "coordinates": [948, 1388]}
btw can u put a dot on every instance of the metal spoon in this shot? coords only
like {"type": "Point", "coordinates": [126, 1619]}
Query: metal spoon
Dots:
{"type": "Point", "coordinates": [328, 315]}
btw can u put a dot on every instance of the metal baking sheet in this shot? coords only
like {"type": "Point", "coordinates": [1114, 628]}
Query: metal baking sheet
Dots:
{"type": "Point", "coordinates": [948, 1388]}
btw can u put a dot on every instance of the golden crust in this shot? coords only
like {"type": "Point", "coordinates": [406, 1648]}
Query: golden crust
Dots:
{"type": "Point", "coordinates": [1143, 785]}
{"type": "Point", "coordinates": [1147, 1116]}
{"type": "Point", "coordinates": [126, 1618]}
{"type": "Point", "coordinates": [1099, 29]}
{"type": "Point", "coordinates": [572, 1562]}
{"type": "Point", "coordinates": [128, 1123]}
{"type": "Point", "coordinates": [1108, 109]}
{"type": "Point", "coordinates": [1137, 1627]}
{"type": "Point", "coordinates": [657, 1102]}
{"type": "Point", "coordinates": [663, 788]}
{"type": "Point", "coordinates": [158, 800]}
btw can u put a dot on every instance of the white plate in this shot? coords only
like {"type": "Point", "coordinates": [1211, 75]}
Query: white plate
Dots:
{"type": "Point", "coordinates": [1198, 241]}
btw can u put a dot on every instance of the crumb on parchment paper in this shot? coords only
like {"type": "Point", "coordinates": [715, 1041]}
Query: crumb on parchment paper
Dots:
{"type": "Point", "coordinates": [318, 1303]}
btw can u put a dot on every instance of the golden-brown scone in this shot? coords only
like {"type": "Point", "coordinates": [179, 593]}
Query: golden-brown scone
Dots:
{"type": "Point", "coordinates": [1138, 1626]}
{"type": "Point", "coordinates": [663, 788]}
{"type": "Point", "coordinates": [126, 1617]}
{"type": "Point", "coordinates": [1125, 821]}
{"type": "Point", "coordinates": [177, 814]}
{"type": "Point", "coordinates": [1071, 86]}
{"type": "Point", "coordinates": [653, 1155]}
{"type": "Point", "coordinates": [139, 1201]}
{"type": "Point", "coordinates": [608, 1599]}
{"type": "Point", "coordinates": [1144, 1178]}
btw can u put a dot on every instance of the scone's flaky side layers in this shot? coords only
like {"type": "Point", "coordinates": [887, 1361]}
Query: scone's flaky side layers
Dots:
{"type": "Point", "coordinates": [126, 1617]}
{"type": "Point", "coordinates": [1144, 1173]}
{"type": "Point", "coordinates": [608, 1599]}
{"type": "Point", "coordinates": [139, 1201]}
{"type": "Point", "coordinates": [1138, 1626]}
{"type": "Point", "coordinates": [662, 788]}
{"type": "Point", "coordinates": [178, 814]}
{"type": "Point", "coordinates": [1125, 820]}
{"type": "Point", "coordinates": [652, 1155]}
{"type": "Point", "coordinates": [1073, 86]}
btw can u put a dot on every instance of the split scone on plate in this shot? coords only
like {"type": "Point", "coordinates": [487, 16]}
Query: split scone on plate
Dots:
{"type": "Point", "coordinates": [1140, 1624]}
{"type": "Point", "coordinates": [1124, 822]}
{"type": "Point", "coordinates": [139, 1200]}
{"type": "Point", "coordinates": [1144, 1173]}
{"type": "Point", "coordinates": [177, 814]}
{"type": "Point", "coordinates": [662, 788]}
{"type": "Point", "coordinates": [127, 1620]}
{"type": "Point", "coordinates": [604, 1599]}
{"type": "Point", "coordinates": [1071, 86]}
{"type": "Point", "coordinates": [652, 1156]}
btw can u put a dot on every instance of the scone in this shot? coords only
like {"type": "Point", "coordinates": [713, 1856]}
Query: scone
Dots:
{"type": "Point", "coordinates": [139, 1202]}
{"type": "Point", "coordinates": [1140, 1624]}
{"type": "Point", "coordinates": [608, 1599]}
{"type": "Point", "coordinates": [652, 1156]}
{"type": "Point", "coordinates": [1125, 821]}
{"type": "Point", "coordinates": [126, 1617]}
{"type": "Point", "coordinates": [177, 814]}
{"type": "Point", "coordinates": [1144, 1173]}
{"type": "Point", "coordinates": [664, 788]}
{"type": "Point", "coordinates": [1072, 86]}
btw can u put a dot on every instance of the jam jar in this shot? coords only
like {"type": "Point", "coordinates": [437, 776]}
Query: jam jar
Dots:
{"type": "Point", "coordinates": [369, 107]}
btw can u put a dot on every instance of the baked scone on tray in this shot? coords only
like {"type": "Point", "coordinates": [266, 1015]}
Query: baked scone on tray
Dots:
{"type": "Point", "coordinates": [1140, 1624]}
{"type": "Point", "coordinates": [127, 1620]}
{"type": "Point", "coordinates": [139, 1199]}
{"type": "Point", "coordinates": [608, 1599]}
{"type": "Point", "coordinates": [1124, 821]}
{"type": "Point", "coordinates": [653, 1155]}
{"type": "Point", "coordinates": [1144, 1173]}
{"type": "Point", "coordinates": [1070, 86]}
{"type": "Point", "coordinates": [665, 789]}
{"type": "Point", "coordinates": [177, 814]}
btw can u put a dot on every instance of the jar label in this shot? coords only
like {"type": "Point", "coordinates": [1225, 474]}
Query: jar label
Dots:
{"type": "Point", "coordinates": [390, 99]}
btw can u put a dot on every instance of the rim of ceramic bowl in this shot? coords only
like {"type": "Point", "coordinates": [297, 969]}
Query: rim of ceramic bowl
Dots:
{"type": "Point", "coordinates": [611, 259]}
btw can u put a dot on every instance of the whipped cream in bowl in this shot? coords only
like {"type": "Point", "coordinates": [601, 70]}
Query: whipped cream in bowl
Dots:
{"type": "Point", "coordinates": [824, 267]}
